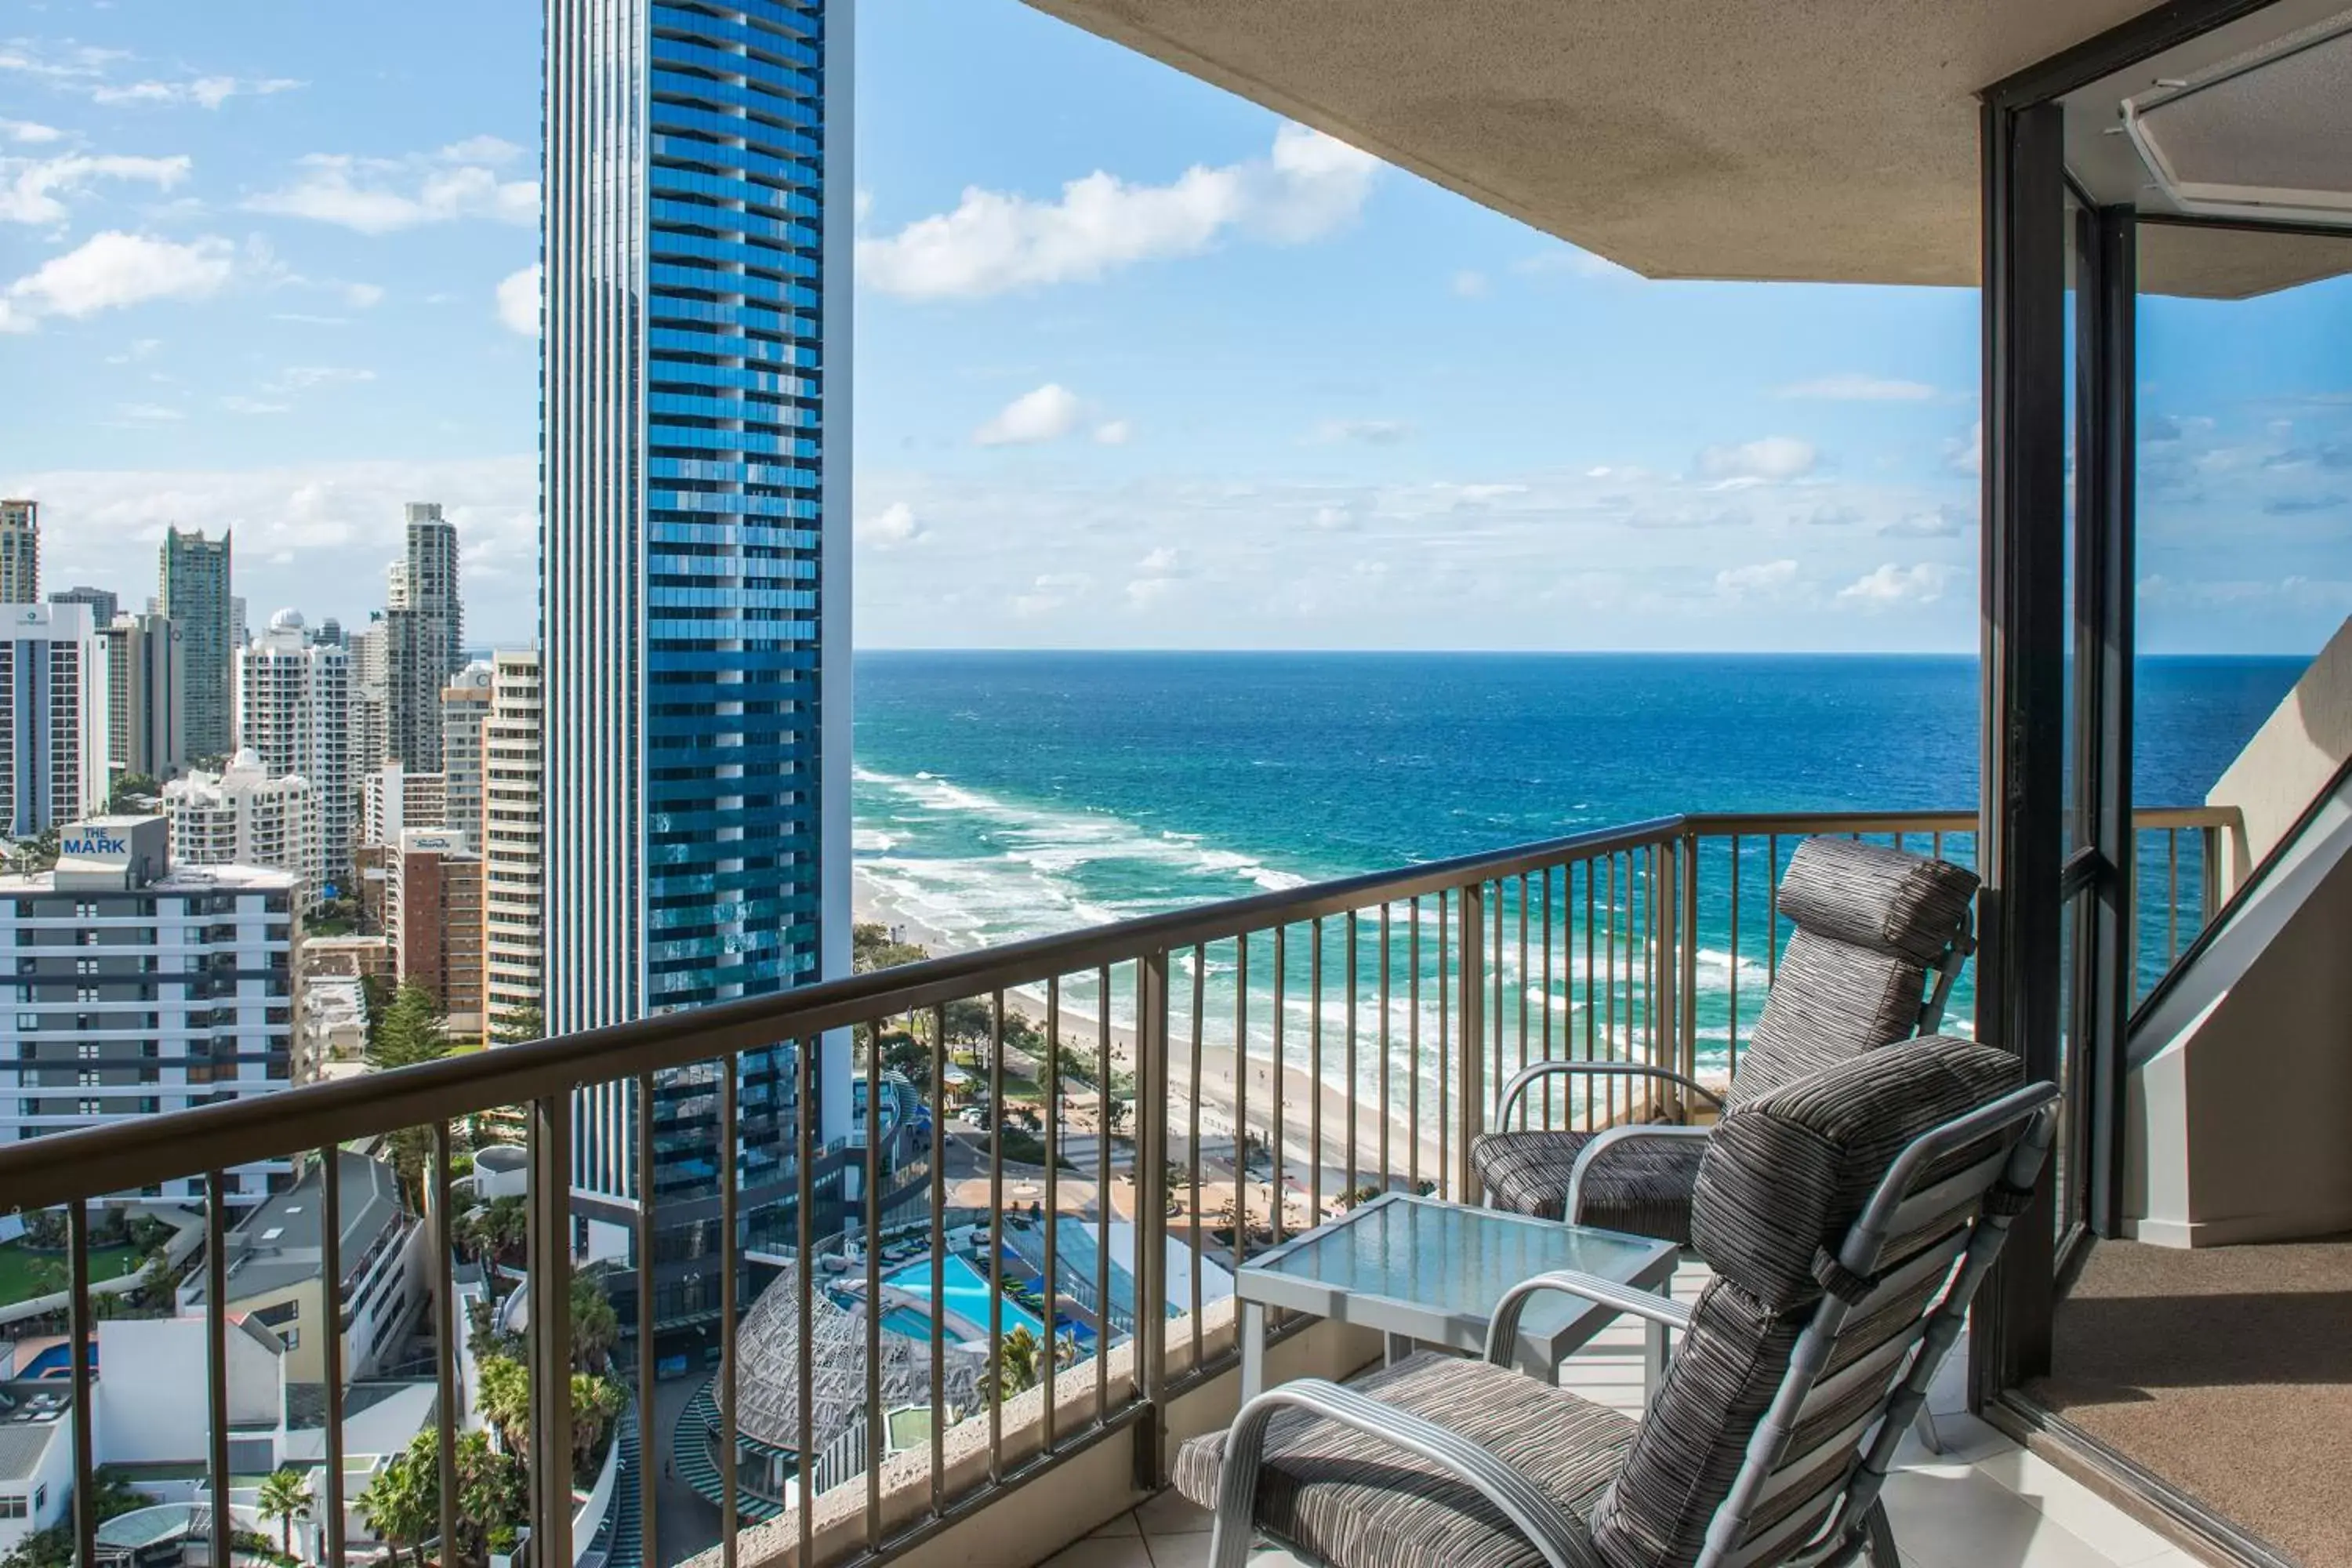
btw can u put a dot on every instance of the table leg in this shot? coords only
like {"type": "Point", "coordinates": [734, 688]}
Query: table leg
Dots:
{"type": "Point", "coordinates": [1253, 1350]}
{"type": "Point", "coordinates": [1398, 1347]}
{"type": "Point", "coordinates": [1653, 1347]}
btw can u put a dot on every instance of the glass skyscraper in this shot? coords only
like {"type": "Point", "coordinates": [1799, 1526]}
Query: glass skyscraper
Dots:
{"type": "Point", "coordinates": [694, 592]}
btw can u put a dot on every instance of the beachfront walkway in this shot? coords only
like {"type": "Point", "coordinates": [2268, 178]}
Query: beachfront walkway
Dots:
{"type": "Point", "coordinates": [1984, 1502]}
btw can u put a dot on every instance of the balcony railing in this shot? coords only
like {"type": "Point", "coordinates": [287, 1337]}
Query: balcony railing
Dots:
{"type": "Point", "coordinates": [1204, 1082]}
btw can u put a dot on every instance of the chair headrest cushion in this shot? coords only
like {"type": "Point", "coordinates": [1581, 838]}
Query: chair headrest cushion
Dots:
{"type": "Point", "coordinates": [1876, 897]}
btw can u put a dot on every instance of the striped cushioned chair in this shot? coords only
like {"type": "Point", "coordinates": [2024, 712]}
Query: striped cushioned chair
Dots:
{"type": "Point", "coordinates": [1873, 923]}
{"type": "Point", "coordinates": [1848, 1216]}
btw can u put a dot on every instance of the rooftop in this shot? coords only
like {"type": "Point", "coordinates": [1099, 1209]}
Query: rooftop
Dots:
{"type": "Point", "coordinates": [277, 1247]}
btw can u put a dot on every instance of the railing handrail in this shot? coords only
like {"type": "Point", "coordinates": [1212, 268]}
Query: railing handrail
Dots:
{"type": "Point", "coordinates": [125, 1155]}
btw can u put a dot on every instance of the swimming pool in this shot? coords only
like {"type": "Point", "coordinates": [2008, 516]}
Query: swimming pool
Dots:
{"type": "Point", "coordinates": [962, 1291]}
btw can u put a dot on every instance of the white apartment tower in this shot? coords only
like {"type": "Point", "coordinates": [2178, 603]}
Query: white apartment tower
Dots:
{"type": "Point", "coordinates": [244, 816]}
{"type": "Point", "coordinates": [293, 712]}
{"type": "Point", "coordinates": [143, 988]}
{"type": "Point", "coordinates": [509, 841]}
{"type": "Point", "coordinates": [145, 698]}
{"type": "Point", "coordinates": [20, 552]}
{"type": "Point", "coordinates": [465, 711]}
{"type": "Point", "coordinates": [53, 717]}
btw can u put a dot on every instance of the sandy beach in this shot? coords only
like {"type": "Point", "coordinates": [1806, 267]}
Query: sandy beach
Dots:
{"type": "Point", "coordinates": [1222, 1095]}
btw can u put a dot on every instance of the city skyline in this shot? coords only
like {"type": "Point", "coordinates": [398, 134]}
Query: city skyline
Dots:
{"type": "Point", "coordinates": [1117, 388]}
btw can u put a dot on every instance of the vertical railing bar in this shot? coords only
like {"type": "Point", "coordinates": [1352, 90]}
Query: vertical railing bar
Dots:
{"type": "Point", "coordinates": [1388, 1052]}
{"type": "Point", "coordinates": [1471, 1037]}
{"type": "Point", "coordinates": [995, 1243]}
{"type": "Point", "coordinates": [1771, 910]}
{"type": "Point", "coordinates": [1686, 855]}
{"type": "Point", "coordinates": [1354, 1087]}
{"type": "Point", "coordinates": [1936, 844]}
{"type": "Point", "coordinates": [1102, 1197]}
{"type": "Point", "coordinates": [730, 1375]}
{"type": "Point", "coordinates": [1731, 1048]}
{"type": "Point", "coordinates": [1609, 990]}
{"type": "Point", "coordinates": [1447, 1024]}
{"type": "Point", "coordinates": [650, 1437]}
{"type": "Point", "coordinates": [1151, 1181]}
{"type": "Point", "coordinates": [85, 1404]}
{"type": "Point", "coordinates": [939, 1184]}
{"type": "Point", "coordinates": [1315, 1079]}
{"type": "Point", "coordinates": [331, 1231]}
{"type": "Point", "coordinates": [804, 1271]}
{"type": "Point", "coordinates": [2173, 896]}
{"type": "Point", "coordinates": [1193, 1154]}
{"type": "Point", "coordinates": [1053, 1213]}
{"type": "Point", "coordinates": [1412, 1045]}
{"type": "Point", "coordinates": [445, 1347]}
{"type": "Point", "coordinates": [1591, 1002]}
{"type": "Point", "coordinates": [873, 1238]}
{"type": "Point", "coordinates": [1279, 1145]}
{"type": "Point", "coordinates": [1548, 1009]}
{"type": "Point", "coordinates": [1526, 976]}
{"type": "Point", "coordinates": [216, 1359]}
{"type": "Point", "coordinates": [549, 1260]}
{"type": "Point", "coordinates": [1241, 1098]}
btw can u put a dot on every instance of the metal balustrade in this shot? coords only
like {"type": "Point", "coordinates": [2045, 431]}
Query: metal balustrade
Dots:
{"type": "Point", "coordinates": [1207, 1081]}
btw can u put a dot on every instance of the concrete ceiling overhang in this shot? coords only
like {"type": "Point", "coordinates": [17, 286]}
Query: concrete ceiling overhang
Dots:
{"type": "Point", "coordinates": [1830, 140]}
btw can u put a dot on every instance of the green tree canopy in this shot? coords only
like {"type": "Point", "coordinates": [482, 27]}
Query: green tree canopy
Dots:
{"type": "Point", "coordinates": [407, 1032]}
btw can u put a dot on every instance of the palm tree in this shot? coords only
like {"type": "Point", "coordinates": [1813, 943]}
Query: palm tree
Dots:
{"type": "Point", "coordinates": [1016, 1363]}
{"type": "Point", "coordinates": [595, 1328]}
{"type": "Point", "coordinates": [402, 1504]}
{"type": "Point", "coordinates": [596, 1404]}
{"type": "Point", "coordinates": [284, 1496]}
{"type": "Point", "coordinates": [504, 1400]}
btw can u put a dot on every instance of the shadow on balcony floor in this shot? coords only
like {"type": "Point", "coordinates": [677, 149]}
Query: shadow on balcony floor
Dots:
{"type": "Point", "coordinates": [2227, 1372]}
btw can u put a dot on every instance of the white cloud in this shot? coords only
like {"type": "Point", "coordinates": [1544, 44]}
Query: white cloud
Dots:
{"type": "Point", "coordinates": [28, 133]}
{"type": "Point", "coordinates": [892, 526]}
{"type": "Point", "coordinates": [1471, 284]}
{"type": "Point", "coordinates": [1368, 432]}
{"type": "Point", "coordinates": [1114, 433]}
{"type": "Point", "coordinates": [1569, 261]}
{"type": "Point", "coordinates": [1855, 387]}
{"type": "Point", "coordinates": [519, 301]}
{"type": "Point", "coordinates": [1047, 413]}
{"type": "Point", "coordinates": [1050, 592]}
{"type": "Point", "coordinates": [1308, 185]}
{"type": "Point", "coordinates": [155, 413]}
{"type": "Point", "coordinates": [303, 377]}
{"type": "Point", "coordinates": [241, 404]}
{"type": "Point", "coordinates": [140, 347]}
{"type": "Point", "coordinates": [384, 195]}
{"type": "Point", "coordinates": [1145, 592]}
{"type": "Point", "coordinates": [363, 296]}
{"type": "Point", "coordinates": [1160, 562]}
{"type": "Point", "coordinates": [1966, 453]}
{"type": "Point", "coordinates": [481, 150]}
{"type": "Point", "coordinates": [204, 91]}
{"type": "Point", "coordinates": [1891, 586]}
{"type": "Point", "coordinates": [30, 187]}
{"type": "Point", "coordinates": [313, 535]}
{"type": "Point", "coordinates": [1764, 578]}
{"type": "Point", "coordinates": [111, 270]}
{"type": "Point", "coordinates": [1767, 460]}
{"type": "Point", "coordinates": [1946, 521]}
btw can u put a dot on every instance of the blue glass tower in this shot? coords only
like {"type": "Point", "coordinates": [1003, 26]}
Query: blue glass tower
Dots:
{"type": "Point", "coordinates": [695, 591]}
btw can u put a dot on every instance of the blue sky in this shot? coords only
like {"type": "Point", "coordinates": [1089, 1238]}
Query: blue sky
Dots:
{"type": "Point", "coordinates": [1137, 364]}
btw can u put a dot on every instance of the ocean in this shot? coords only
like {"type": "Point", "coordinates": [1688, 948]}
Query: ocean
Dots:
{"type": "Point", "coordinates": [1008, 794]}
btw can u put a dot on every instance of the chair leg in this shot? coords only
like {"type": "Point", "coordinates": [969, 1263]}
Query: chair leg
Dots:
{"type": "Point", "coordinates": [1924, 1424]}
{"type": "Point", "coordinates": [1229, 1541]}
{"type": "Point", "coordinates": [1880, 1534]}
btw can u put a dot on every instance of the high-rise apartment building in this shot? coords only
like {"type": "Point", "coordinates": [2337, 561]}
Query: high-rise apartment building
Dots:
{"type": "Point", "coordinates": [432, 913]}
{"type": "Point", "coordinates": [423, 626]}
{"type": "Point", "coordinates": [104, 602]}
{"type": "Point", "coordinates": [513, 949]}
{"type": "Point", "coordinates": [695, 572]}
{"type": "Point", "coordinates": [293, 709]}
{"type": "Point", "coordinates": [194, 592]}
{"type": "Point", "coordinates": [393, 799]}
{"type": "Point", "coordinates": [20, 552]}
{"type": "Point", "coordinates": [146, 702]}
{"type": "Point", "coordinates": [246, 816]}
{"type": "Point", "coordinates": [465, 710]}
{"type": "Point", "coordinates": [371, 710]}
{"type": "Point", "coordinates": [142, 988]}
{"type": "Point", "coordinates": [53, 718]}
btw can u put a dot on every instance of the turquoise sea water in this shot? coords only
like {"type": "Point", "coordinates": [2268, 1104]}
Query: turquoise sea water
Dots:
{"type": "Point", "coordinates": [1001, 796]}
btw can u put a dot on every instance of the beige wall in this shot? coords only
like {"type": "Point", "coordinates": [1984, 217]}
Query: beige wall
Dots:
{"type": "Point", "coordinates": [2292, 757]}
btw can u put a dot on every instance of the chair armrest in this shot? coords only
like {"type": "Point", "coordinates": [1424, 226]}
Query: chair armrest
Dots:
{"type": "Point", "coordinates": [1503, 1333]}
{"type": "Point", "coordinates": [1553, 1533]}
{"type": "Point", "coordinates": [1526, 1076]}
{"type": "Point", "coordinates": [1610, 1139]}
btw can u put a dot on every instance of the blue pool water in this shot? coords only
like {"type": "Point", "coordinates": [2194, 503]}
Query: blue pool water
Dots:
{"type": "Point", "coordinates": [55, 1361]}
{"type": "Point", "coordinates": [962, 1291]}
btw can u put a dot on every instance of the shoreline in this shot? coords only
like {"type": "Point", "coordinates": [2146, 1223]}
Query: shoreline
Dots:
{"type": "Point", "coordinates": [1220, 1093]}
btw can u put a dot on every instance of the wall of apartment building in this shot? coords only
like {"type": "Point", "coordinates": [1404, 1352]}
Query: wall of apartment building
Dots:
{"type": "Point", "coordinates": [513, 954]}
{"type": "Point", "coordinates": [432, 913]}
{"type": "Point", "coordinates": [53, 718]}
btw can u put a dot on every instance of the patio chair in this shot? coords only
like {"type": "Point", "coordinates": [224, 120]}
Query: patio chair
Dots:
{"type": "Point", "coordinates": [1873, 924]}
{"type": "Point", "coordinates": [1848, 1216]}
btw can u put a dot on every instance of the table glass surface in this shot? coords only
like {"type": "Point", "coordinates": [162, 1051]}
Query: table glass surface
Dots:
{"type": "Point", "coordinates": [1446, 1257]}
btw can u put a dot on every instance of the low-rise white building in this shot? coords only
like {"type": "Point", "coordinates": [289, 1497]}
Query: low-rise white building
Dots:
{"type": "Point", "coordinates": [245, 815]}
